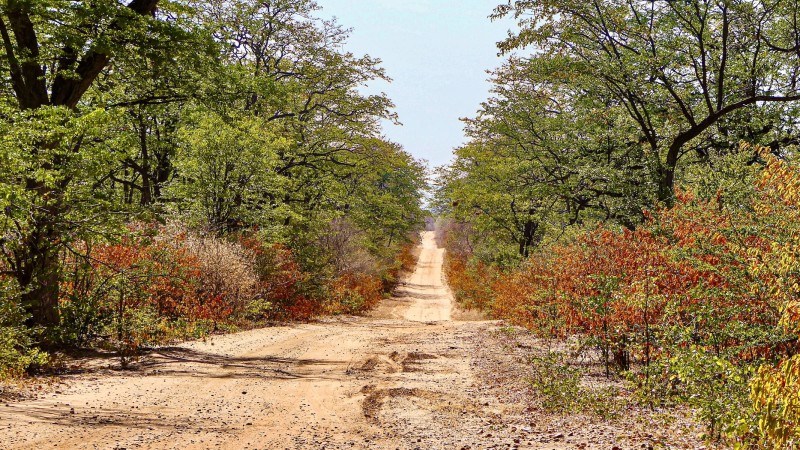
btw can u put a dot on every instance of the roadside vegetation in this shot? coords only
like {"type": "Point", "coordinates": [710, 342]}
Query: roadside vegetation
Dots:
{"type": "Point", "coordinates": [173, 168]}
{"type": "Point", "coordinates": [631, 187]}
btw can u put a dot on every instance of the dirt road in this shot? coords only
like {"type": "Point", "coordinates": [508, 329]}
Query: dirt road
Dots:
{"type": "Point", "coordinates": [405, 377]}
{"type": "Point", "coordinates": [330, 384]}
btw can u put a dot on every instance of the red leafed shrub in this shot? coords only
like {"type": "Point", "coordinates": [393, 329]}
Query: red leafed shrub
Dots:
{"type": "Point", "coordinates": [695, 300]}
{"type": "Point", "coordinates": [302, 309]}
{"type": "Point", "coordinates": [163, 282]}
{"type": "Point", "coordinates": [685, 271]}
{"type": "Point", "coordinates": [164, 275]}
{"type": "Point", "coordinates": [697, 274]}
{"type": "Point", "coordinates": [138, 291]}
{"type": "Point", "coordinates": [407, 259]}
{"type": "Point", "coordinates": [405, 262]}
{"type": "Point", "coordinates": [471, 282]}
{"type": "Point", "coordinates": [352, 293]}
{"type": "Point", "coordinates": [279, 281]}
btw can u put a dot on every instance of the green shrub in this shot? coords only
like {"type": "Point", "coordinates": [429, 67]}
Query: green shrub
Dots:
{"type": "Point", "coordinates": [556, 382]}
{"type": "Point", "coordinates": [17, 352]}
{"type": "Point", "coordinates": [559, 387]}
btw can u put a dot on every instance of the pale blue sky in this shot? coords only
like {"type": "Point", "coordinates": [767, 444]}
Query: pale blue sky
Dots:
{"type": "Point", "coordinates": [437, 53]}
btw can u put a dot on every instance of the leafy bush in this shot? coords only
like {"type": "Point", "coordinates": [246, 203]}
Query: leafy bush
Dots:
{"type": "Point", "coordinates": [714, 386]}
{"type": "Point", "coordinates": [556, 382]}
{"type": "Point", "coordinates": [776, 400]}
{"type": "Point", "coordinates": [560, 388]}
{"type": "Point", "coordinates": [279, 279]}
{"type": "Point", "coordinates": [17, 352]}
{"type": "Point", "coordinates": [471, 282]}
{"type": "Point", "coordinates": [226, 269]}
{"type": "Point", "coordinates": [353, 292]}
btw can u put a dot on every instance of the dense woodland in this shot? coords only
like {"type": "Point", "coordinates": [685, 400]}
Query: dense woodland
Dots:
{"type": "Point", "coordinates": [632, 185]}
{"type": "Point", "coordinates": [172, 168]}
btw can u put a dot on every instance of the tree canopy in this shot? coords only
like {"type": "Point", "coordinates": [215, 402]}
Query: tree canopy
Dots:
{"type": "Point", "coordinates": [619, 103]}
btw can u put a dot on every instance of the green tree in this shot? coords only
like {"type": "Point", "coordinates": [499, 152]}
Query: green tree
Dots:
{"type": "Point", "coordinates": [53, 51]}
{"type": "Point", "coordinates": [226, 171]}
{"type": "Point", "coordinates": [695, 76]}
{"type": "Point", "coordinates": [545, 155]}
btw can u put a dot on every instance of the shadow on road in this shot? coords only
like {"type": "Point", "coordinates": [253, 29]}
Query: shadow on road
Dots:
{"type": "Point", "coordinates": [179, 361]}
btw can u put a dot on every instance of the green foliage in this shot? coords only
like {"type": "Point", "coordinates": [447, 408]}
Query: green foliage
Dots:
{"type": "Point", "coordinates": [697, 306]}
{"type": "Point", "coordinates": [560, 387]}
{"type": "Point", "coordinates": [556, 382]}
{"type": "Point", "coordinates": [226, 171]}
{"type": "Point", "coordinates": [775, 393]}
{"type": "Point", "coordinates": [17, 349]}
{"type": "Point", "coordinates": [715, 386]}
{"type": "Point", "coordinates": [676, 70]}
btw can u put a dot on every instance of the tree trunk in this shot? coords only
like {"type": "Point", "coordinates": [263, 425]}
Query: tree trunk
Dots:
{"type": "Point", "coordinates": [40, 295]}
{"type": "Point", "coordinates": [39, 273]}
{"type": "Point", "coordinates": [666, 177]}
{"type": "Point", "coordinates": [146, 198]}
{"type": "Point", "coordinates": [528, 237]}
{"type": "Point", "coordinates": [37, 265]}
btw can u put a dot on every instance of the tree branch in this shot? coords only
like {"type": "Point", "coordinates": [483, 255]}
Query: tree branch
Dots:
{"type": "Point", "coordinates": [67, 91]}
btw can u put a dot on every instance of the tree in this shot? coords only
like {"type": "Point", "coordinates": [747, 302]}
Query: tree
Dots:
{"type": "Point", "coordinates": [695, 76]}
{"type": "Point", "coordinates": [226, 171]}
{"type": "Point", "coordinates": [240, 115]}
{"type": "Point", "coordinates": [53, 51]}
{"type": "Point", "coordinates": [544, 156]}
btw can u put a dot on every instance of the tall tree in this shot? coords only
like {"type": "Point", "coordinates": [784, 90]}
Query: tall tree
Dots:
{"type": "Point", "coordinates": [53, 51]}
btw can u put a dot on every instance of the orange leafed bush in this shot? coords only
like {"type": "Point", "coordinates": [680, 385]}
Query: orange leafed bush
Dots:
{"type": "Point", "coordinates": [701, 291]}
{"type": "Point", "coordinates": [157, 280]}
{"type": "Point", "coordinates": [354, 292]}
{"type": "Point", "coordinates": [471, 282]}
{"type": "Point", "coordinates": [160, 274]}
{"type": "Point", "coordinates": [705, 272]}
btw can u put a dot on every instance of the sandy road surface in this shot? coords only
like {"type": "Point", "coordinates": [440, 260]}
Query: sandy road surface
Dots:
{"type": "Point", "coordinates": [405, 377]}
{"type": "Point", "coordinates": [423, 296]}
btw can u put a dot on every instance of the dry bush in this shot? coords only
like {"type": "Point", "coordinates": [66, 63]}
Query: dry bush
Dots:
{"type": "Point", "coordinates": [455, 237]}
{"type": "Point", "coordinates": [354, 293]}
{"type": "Point", "coordinates": [227, 270]}
{"type": "Point", "coordinates": [343, 242]}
